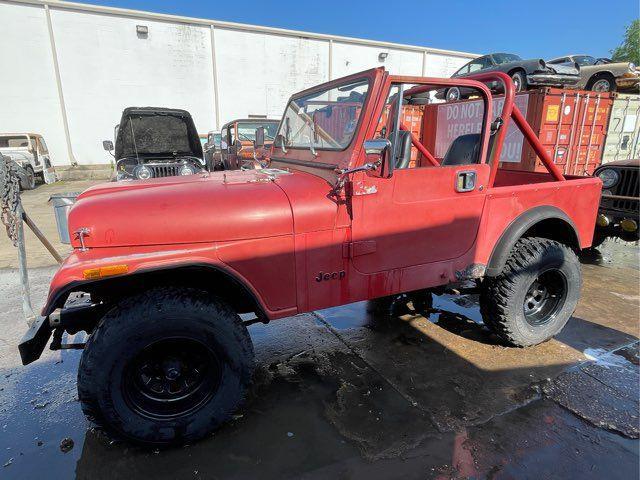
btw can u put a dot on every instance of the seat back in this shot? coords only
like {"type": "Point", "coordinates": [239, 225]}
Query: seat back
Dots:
{"type": "Point", "coordinates": [464, 150]}
{"type": "Point", "coordinates": [403, 148]}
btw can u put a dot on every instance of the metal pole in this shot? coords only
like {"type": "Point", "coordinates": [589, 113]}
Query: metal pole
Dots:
{"type": "Point", "coordinates": [215, 76]}
{"type": "Point", "coordinates": [38, 233]}
{"type": "Point", "coordinates": [27, 307]}
{"type": "Point", "coordinates": [56, 71]}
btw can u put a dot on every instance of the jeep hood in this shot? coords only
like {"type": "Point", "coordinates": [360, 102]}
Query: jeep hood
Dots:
{"type": "Point", "coordinates": [151, 132]}
{"type": "Point", "coordinates": [222, 206]}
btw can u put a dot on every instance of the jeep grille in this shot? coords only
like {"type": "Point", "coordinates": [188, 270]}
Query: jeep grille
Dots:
{"type": "Point", "coordinates": [166, 170]}
{"type": "Point", "coordinates": [627, 186]}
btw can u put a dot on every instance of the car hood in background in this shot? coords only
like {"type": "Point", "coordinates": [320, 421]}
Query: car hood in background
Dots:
{"type": "Point", "coordinates": [149, 132]}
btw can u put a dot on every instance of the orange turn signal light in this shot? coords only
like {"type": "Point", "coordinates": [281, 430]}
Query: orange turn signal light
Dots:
{"type": "Point", "coordinates": [101, 272]}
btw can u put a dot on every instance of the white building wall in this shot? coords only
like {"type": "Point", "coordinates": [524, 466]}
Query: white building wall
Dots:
{"type": "Point", "coordinates": [258, 72]}
{"type": "Point", "coordinates": [349, 58]}
{"type": "Point", "coordinates": [104, 66]}
{"type": "Point", "coordinates": [28, 92]}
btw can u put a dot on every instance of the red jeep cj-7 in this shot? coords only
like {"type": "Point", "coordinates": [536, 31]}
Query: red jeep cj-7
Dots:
{"type": "Point", "coordinates": [364, 199]}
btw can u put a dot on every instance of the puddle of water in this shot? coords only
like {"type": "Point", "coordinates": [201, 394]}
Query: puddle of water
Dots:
{"type": "Point", "coordinates": [620, 358]}
{"type": "Point", "coordinates": [613, 253]}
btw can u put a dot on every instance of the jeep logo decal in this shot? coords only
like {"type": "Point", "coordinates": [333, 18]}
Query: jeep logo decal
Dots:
{"type": "Point", "coordinates": [330, 276]}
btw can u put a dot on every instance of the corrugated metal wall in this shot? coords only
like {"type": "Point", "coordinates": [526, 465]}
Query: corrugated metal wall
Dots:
{"type": "Point", "coordinates": [70, 69]}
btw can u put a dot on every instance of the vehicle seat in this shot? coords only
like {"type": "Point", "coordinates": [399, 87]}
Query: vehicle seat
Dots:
{"type": "Point", "coordinates": [464, 150]}
{"type": "Point", "coordinates": [403, 150]}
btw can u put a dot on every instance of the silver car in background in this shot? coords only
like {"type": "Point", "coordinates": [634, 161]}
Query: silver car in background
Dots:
{"type": "Point", "coordinates": [602, 74]}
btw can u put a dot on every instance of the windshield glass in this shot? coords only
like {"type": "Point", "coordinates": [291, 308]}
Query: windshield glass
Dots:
{"type": "Point", "coordinates": [501, 58]}
{"type": "Point", "coordinates": [247, 131]}
{"type": "Point", "coordinates": [14, 142]}
{"type": "Point", "coordinates": [324, 120]}
{"type": "Point", "coordinates": [584, 60]}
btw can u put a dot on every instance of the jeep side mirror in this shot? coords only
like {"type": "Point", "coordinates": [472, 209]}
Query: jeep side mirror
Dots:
{"type": "Point", "coordinates": [259, 140]}
{"type": "Point", "coordinates": [378, 152]}
{"type": "Point", "coordinates": [107, 145]}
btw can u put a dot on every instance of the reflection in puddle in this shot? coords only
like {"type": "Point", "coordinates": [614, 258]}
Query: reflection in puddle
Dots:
{"type": "Point", "coordinates": [613, 253]}
{"type": "Point", "coordinates": [459, 314]}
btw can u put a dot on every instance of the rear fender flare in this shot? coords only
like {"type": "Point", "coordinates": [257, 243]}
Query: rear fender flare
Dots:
{"type": "Point", "coordinates": [518, 228]}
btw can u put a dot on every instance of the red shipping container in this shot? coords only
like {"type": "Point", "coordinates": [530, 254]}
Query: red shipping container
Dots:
{"type": "Point", "coordinates": [571, 124]}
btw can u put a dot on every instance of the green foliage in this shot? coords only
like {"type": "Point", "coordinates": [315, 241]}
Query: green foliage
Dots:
{"type": "Point", "coordinates": [629, 50]}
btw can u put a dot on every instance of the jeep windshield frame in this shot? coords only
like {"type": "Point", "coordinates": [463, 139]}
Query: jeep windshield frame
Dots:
{"type": "Point", "coordinates": [349, 98]}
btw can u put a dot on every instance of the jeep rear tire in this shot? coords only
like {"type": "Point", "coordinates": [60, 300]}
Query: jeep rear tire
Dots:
{"type": "Point", "coordinates": [165, 367]}
{"type": "Point", "coordinates": [536, 293]}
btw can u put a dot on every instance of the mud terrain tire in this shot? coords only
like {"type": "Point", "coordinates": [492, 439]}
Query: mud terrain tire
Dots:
{"type": "Point", "coordinates": [536, 293]}
{"type": "Point", "coordinates": [147, 372]}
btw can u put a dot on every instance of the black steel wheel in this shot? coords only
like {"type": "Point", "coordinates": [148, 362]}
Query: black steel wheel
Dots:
{"type": "Point", "coordinates": [534, 295]}
{"type": "Point", "coordinates": [165, 367]}
{"type": "Point", "coordinates": [171, 378]}
{"type": "Point", "coordinates": [545, 297]}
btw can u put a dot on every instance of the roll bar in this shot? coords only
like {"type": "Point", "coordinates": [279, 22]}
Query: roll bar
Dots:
{"type": "Point", "coordinates": [510, 110]}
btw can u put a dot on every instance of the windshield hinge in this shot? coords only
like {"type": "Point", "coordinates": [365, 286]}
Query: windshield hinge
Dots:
{"type": "Point", "coordinates": [495, 125]}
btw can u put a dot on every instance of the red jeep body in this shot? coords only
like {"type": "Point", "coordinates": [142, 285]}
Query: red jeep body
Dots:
{"type": "Point", "coordinates": [274, 233]}
{"type": "Point", "coordinates": [321, 227]}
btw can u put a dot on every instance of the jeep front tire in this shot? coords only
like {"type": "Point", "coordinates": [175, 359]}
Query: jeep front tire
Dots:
{"type": "Point", "coordinates": [534, 295]}
{"type": "Point", "coordinates": [164, 367]}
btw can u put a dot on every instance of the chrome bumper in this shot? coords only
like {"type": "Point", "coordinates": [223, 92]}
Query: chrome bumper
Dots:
{"type": "Point", "coordinates": [551, 79]}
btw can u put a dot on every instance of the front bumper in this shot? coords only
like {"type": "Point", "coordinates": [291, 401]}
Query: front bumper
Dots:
{"type": "Point", "coordinates": [628, 82]}
{"type": "Point", "coordinates": [551, 79]}
{"type": "Point", "coordinates": [35, 340]}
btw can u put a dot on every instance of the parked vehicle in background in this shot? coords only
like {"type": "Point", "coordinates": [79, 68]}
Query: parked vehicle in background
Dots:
{"type": "Point", "coordinates": [623, 136]}
{"type": "Point", "coordinates": [212, 152]}
{"type": "Point", "coordinates": [619, 213]}
{"type": "Point", "coordinates": [524, 73]}
{"type": "Point", "coordinates": [601, 74]}
{"type": "Point", "coordinates": [237, 149]}
{"type": "Point", "coordinates": [154, 142]}
{"type": "Point", "coordinates": [343, 214]}
{"type": "Point", "coordinates": [30, 152]}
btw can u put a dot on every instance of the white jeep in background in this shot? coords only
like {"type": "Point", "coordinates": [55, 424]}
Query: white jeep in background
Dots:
{"type": "Point", "coordinates": [30, 152]}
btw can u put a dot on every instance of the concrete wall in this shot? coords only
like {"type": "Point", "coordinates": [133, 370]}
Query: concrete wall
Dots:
{"type": "Point", "coordinates": [71, 69]}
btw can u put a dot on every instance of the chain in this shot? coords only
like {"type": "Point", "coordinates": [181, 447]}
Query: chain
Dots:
{"type": "Point", "coordinates": [9, 197]}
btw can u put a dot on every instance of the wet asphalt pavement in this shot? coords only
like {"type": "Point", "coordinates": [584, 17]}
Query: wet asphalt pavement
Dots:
{"type": "Point", "coordinates": [349, 393]}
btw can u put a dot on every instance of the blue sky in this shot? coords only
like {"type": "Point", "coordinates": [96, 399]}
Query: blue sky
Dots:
{"type": "Point", "coordinates": [529, 28]}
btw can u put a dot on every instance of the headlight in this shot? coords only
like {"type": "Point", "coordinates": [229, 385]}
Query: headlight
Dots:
{"type": "Point", "coordinates": [143, 172]}
{"type": "Point", "coordinates": [609, 177]}
{"type": "Point", "coordinates": [632, 67]}
{"type": "Point", "coordinates": [187, 170]}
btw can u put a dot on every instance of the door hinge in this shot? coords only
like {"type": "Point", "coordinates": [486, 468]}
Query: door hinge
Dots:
{"type": "Point", "coordinates": [355, 249]}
